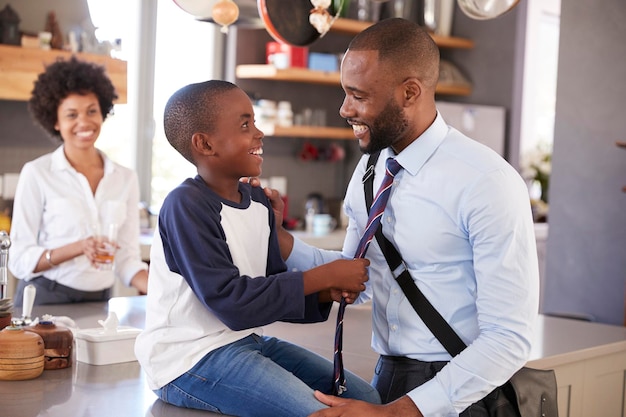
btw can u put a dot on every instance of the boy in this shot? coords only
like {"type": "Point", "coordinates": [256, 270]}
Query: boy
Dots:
{"type": "Point", "coordinates": [217, 274]}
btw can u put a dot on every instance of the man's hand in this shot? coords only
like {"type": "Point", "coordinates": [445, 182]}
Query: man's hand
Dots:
{"type": "Point", "coordinates": [344, 407]}
{"type": "Point", "coordinates": [278, 205]}
{"type": "Point", "coordinates": [285, 239]}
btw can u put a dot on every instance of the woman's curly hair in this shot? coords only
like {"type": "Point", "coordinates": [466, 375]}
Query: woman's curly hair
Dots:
{"type": "Point", "coordinates": [65, 77]}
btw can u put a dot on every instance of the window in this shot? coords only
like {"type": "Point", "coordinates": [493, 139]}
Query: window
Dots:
{"type": "Point", "coordinates": [540, 74]}
{"type": "Point", "coordinates": [113, 28]}
{"type": "Point", "coordinates": [187, 51]}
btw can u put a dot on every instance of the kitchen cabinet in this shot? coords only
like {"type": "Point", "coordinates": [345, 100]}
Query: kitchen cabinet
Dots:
{"type": "Point", "coordinates": [590, 381]}
{"type": "Point", "coordinates": [20, 67]}
{"type": "Point", "coordinates": [263, 72]}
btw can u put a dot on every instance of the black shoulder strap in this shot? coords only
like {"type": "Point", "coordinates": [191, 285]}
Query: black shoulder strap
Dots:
{"type": "Point", "coordinates": [431, 317]}
{"type": "Point", "coordinates": [368, 180]}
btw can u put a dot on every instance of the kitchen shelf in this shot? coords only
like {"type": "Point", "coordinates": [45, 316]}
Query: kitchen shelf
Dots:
{"type": "Point", "coordinates": [294, 74]}
{"type": "Point", "coordinates": [311, 132]}
{"type": "Point", "coordinates": [303, 75]}
{"type": "Point", "coordinates": [352, 27]}
{"type": "Point", "coordinates": [19, 68]}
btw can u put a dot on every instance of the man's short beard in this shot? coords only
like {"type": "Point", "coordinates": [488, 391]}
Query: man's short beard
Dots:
{"type": "Point", "coordinates": [386, 129]}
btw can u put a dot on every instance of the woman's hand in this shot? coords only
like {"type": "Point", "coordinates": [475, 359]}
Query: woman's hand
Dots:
{"type": "Point", "coordinates": [89, 248]}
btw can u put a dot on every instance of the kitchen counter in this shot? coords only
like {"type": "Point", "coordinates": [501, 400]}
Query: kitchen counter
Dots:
{"type": "Point", "coordinates": [331, 241]}
{"type": "Point", "coordinates": [121, 390]}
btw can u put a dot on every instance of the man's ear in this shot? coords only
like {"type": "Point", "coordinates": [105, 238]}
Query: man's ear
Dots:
{"type": "Point", "coordinates": [201, 143]}
{"type": "Point", "coordinates": [412, 90]}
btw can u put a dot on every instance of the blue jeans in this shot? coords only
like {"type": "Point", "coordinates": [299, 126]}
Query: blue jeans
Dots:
{"type": "Point", "coordinates": [260, 376]}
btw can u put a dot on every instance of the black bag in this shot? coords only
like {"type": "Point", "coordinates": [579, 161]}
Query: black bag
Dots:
{"type": "Point", "coordinates": [529, 393]}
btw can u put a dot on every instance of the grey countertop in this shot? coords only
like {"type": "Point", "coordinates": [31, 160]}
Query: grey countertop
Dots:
{"type": "Point", "coordinates": [121, 389]}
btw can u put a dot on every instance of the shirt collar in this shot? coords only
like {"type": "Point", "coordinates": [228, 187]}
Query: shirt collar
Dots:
{"type": "Point", "coordinates": [60, 162]}
{"type": "Point", "coordinates": [414, 156]}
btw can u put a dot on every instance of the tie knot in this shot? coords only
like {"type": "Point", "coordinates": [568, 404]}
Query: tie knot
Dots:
{"type": "Point", "coordinates": [393, 167]}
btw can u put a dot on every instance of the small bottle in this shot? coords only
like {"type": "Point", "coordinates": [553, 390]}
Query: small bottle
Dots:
{"type": "Point", "coordinates": [267, 110]}
{"type": "Point", "coordinates": [285, 114]}
{"type": "Point", "coordinates": [309, 217]}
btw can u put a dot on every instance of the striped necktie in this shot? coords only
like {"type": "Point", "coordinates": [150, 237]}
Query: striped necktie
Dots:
{"type": "Point", "coordinates": [376, 212]}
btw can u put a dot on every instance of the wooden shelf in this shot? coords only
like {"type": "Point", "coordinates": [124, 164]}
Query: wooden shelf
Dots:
{"type": "Point", "coordinates": [352, 27]}
{"type": "Point", "coordinates": [310, 132]}
{"type": "Point", "coordinates": [454, 89]}
{"type": "Point", "coordinates": [303, 75]}
{"type": "Point", "coordinates": [299, 75]}
{"type": "Point", "coordinates": [19, 68]}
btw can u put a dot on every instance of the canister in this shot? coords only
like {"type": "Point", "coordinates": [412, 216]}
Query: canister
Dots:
{"type": "Point", "coordinates": [58, 341]}
{"type": "Point", "coordinates": [21, 354]}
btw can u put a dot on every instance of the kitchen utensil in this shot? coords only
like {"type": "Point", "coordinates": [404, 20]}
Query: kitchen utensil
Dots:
{"type": "Point", "coordinates": [289, 23]}
{"type": "Point", "coordinates": [27, 306]}
{"type": "Point", "coordinates": [197, 8]}
{"type": "Point", "coordinates": [486, 9]}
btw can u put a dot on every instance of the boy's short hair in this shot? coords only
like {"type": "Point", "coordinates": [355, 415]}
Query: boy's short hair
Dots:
{"type": "Point", "coordinates": [192, 109]}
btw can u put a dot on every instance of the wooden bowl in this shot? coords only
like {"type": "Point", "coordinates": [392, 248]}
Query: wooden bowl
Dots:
{"type": "Point", "coordinates": [21, 354]}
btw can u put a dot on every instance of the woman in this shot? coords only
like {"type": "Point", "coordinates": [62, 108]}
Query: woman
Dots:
{"type": "Point", "coordinates": [60, 196]}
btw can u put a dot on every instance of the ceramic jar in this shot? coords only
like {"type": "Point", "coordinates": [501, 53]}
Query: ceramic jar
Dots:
{"type": "Point", "coordinates": [21, 354]}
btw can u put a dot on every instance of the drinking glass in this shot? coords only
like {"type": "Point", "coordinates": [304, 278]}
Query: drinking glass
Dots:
{"type": "Point", "coordinates": [106, 240]}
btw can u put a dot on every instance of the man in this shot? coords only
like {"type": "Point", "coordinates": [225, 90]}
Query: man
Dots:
{"type": "Point", "coordinates": [460, 217]}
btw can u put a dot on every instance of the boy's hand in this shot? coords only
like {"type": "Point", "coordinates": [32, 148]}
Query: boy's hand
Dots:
{"type": "Point", "coordinates": [350, 296]}
{"type": "Point", "coordinates": [349, 275]}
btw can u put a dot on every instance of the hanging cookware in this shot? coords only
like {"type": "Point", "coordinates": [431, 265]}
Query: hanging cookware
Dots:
{"type": "Point", "coordinates": [294, 23]}
{"type": "Point", "coordinates": [486, 9]}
